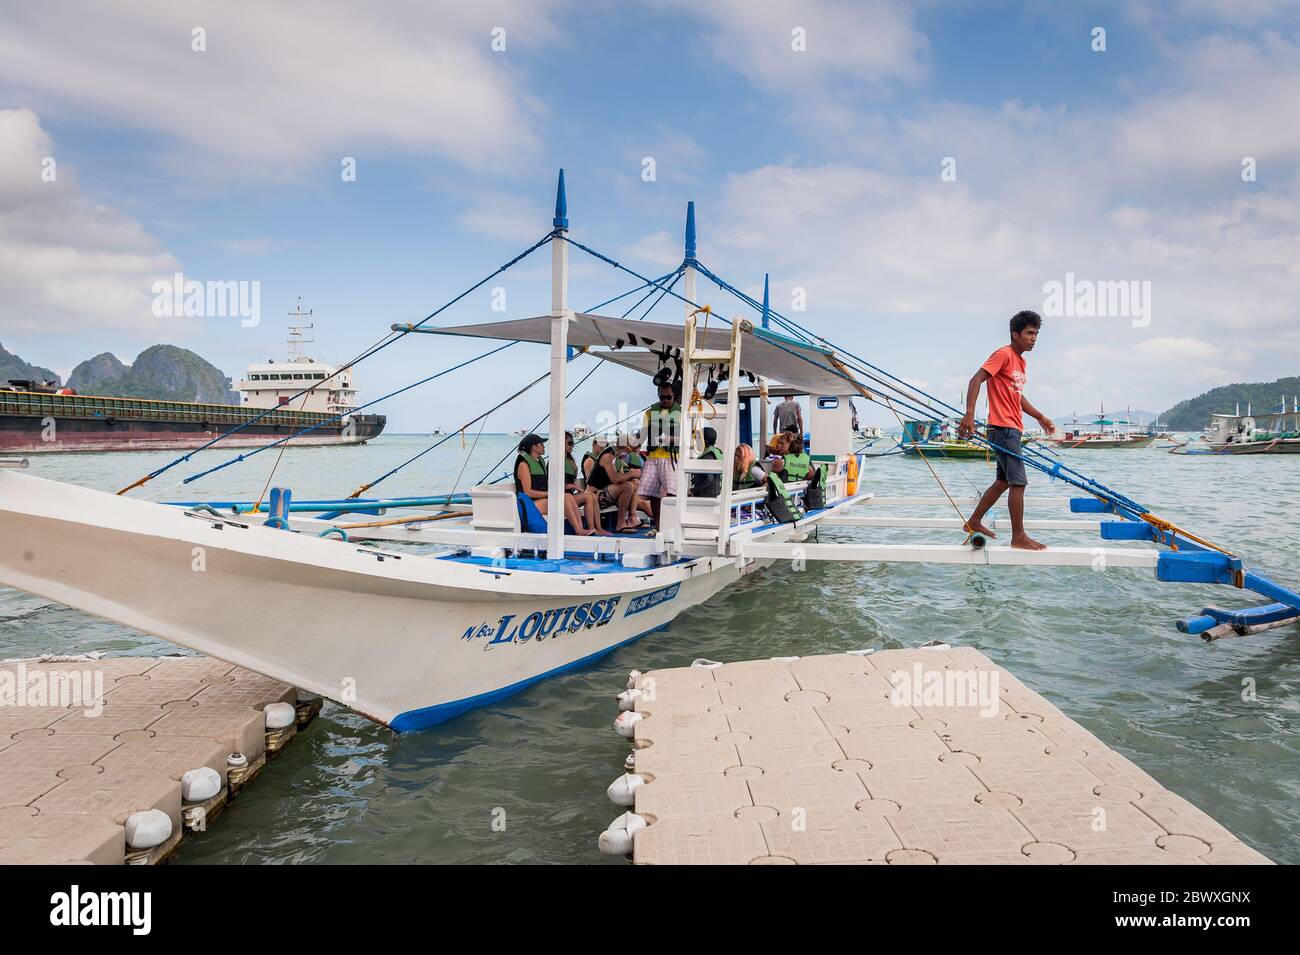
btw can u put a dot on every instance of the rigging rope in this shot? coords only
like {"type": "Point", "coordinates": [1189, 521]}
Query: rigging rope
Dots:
{"type": "Point", "coordinates": [386, 340]}
{"type": "Point", "coordinates": [391, 394]}
{"type": "Point", "coordinates": [675, 275]}
{"type": "Point", "coordinates": [385, 476]}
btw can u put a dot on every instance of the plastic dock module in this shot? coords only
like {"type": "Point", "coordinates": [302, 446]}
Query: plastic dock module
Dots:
{"type": "Point", "coordinates": [899, 757]}
{"type": "Point", "coordinates": [113, 760]}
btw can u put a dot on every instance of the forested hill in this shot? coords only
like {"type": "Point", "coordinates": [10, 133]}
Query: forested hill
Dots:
{"type": "Point", "coordinates": [1261, 397]}
{"type": "Point", "coordinates": [11, 366]}
{"type": "Point", "coordinates": [161, 371]}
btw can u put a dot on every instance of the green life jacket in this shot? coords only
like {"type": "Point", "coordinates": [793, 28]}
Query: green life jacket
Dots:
{"type": "Point", "coordinates": [663, 426]}
{"type": "Point", "coordinates": [797, 466]}
{"type": "Point", "coordinates": [779, 502]}
{"type": "Point", "coordinates": [570, 470]}
{"type": "Point", "coordinates": [707, 485]}
{"type": "Point", "coordinates": [536, 473]}
{"type": "Point", "coordinates": [746, 480]}
{"type": "Point", "coordinates": [814, 496]}
{"type": "Point", "coordinates": [635, 460]}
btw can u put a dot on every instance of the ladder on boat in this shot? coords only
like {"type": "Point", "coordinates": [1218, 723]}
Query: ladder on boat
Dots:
{"type": "Point", "coordinates": [708, 519]}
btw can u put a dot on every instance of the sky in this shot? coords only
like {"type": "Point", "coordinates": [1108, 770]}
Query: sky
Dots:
{"type": "Point", "coordinates": [909, 174]}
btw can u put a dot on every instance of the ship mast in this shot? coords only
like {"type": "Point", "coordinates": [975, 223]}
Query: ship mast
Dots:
{"type": "Point", "coordinates": [296, 328]}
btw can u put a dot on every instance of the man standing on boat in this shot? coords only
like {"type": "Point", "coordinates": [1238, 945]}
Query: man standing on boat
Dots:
{"type": "Point", "coordinates": [788, 416]}
{"type": "Point", "coordinates": [660, 435]}
{"type": "Point", "coordinates": [1005, 373]}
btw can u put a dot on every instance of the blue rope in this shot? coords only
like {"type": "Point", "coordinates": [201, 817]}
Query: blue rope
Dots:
{"type": "Point", "coordinates": [677, 273]}
{"type": "Point", "coordinates": [799, 330]}
{"type": "Point", "coordinates": [374, 349]}
{"type": "Point", "coordinates": [391, 394]}
{"type": "Point", "coordinates": [450, 435]}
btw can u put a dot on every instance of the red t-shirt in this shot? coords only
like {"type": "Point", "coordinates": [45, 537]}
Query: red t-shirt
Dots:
{"type": "Point", "coordinates": [1005, 386]}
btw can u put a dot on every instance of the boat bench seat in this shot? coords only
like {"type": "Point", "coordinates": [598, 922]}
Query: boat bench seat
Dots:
{"type": "Point", "coordinates": [496, 507]}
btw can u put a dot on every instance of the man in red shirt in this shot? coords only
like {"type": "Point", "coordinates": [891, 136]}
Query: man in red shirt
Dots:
{"type": "Point", "coordinates": [1005, 373]}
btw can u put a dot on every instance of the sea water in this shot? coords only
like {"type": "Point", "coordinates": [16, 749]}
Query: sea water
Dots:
{"type": "Point", "coordinates": [524, 780]}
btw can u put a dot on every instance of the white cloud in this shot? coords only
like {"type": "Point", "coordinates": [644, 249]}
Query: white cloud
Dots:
{"type": "Point", "coordinates": [281, 84]}
{"type": "Point", "coordinates": [860, 41]}
{"type": "Point", "coordinates": [65, 261]}
{"type": "Point", "coordinates": [660, 248]}
{"type": "Point", "coordinates": [501, 215]}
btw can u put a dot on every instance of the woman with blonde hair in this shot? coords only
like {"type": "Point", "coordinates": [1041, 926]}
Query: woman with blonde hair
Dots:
{"type": "Point", "coordinates": [748, 473]}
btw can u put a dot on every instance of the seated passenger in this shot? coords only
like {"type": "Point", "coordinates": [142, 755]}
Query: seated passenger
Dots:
{"type": "Point", "coordinates": [747, 472]}
{"type": "Point", "coordinates": [531, 480]}
{"type": "Point", "coordinates": [585, 497]}
{"type": "Point", "coordinates": [631, 462]}
{"type": "Point", "coordinates": [797, 463]}
{"type": "Point", "coordinates": [708, 485]}
{"type": "Point", "coordinates": [614, 488]}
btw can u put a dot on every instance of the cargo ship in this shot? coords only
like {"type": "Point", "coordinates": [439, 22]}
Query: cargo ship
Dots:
{"type": "Point", "coordinates": [39, 417]}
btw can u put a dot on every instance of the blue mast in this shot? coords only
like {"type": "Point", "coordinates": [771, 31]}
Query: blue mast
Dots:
{"type": "Point", "coordinates": [690, 233]}
{"type": "Point", "coordinates": [561, 220]}
{"type": "Point", "coordinates": [766, 299]}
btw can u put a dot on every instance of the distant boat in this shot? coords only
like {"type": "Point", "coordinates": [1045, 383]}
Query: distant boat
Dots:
{"type": "Point", "coordinates": [939, 439]}
{"type": "Point", "coordinates": [37, 417]}
{"type": "Point", "coordinates": [1274, 433]}
{"type": "Point", "coordinates": [1105, 434]}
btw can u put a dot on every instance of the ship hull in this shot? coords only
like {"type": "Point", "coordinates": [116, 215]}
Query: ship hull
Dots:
{"type": "Point", "coordinates": [52, 434]}
{"type": "Point", "coordinates": [1281, 446]}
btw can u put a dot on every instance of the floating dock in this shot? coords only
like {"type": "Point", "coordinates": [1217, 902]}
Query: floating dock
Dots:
{"type": "Point", "coordinates": [113, 760]}
{"type": "Point", "coordinates": [898, 757]}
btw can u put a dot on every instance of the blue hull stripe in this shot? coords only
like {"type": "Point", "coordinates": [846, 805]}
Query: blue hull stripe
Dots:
{"type": "Point", "coordinates": [432, 715]}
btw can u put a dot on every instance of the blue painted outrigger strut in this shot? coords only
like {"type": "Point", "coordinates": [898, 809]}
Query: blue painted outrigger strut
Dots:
{"type": "Point", "coordinates": [1192, 563]}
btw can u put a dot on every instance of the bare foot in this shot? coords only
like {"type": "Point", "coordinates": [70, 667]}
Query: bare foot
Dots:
{"type": "Point", "coordinates": [978, 527]}
{"type": "Point", "coordinates": [1025, 542]}
{"type": "Point", "coordinates": [603, 533]}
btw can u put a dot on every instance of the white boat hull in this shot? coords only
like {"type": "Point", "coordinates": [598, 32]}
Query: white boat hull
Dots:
{"type": "Point", "coordinates": [407, 639]}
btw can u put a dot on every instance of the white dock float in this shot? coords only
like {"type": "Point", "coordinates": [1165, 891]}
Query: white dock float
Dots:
{"type": "Point", "coordinates": [818, 760]}
{"type": "Point", "coordinates": [76, 776]}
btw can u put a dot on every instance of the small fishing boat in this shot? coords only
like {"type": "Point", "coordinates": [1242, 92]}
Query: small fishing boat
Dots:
{"type": "Point", "coordinates": [414, 619]}
{"type": "Point", "coordinates": [939, 440]}
{"type": "Point", "coordinates": [1106, 434]}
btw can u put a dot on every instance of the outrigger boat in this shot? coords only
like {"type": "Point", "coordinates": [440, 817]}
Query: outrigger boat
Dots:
{"type": "Point", "coordinates": [1274, 433]}
{"type": "Point", "coordinates": [939, 440]}
{"type": "Point", "coordinates": [492, 601]}
{"type": "Point", "coordinates": [1108, 434]}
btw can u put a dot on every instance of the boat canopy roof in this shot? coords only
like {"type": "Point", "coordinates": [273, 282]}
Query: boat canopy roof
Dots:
{"type": "Point", "coordinates": [805, 368]}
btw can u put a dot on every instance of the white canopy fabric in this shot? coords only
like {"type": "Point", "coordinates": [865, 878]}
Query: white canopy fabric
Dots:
{"type": "Point", "coordinates": [632, 344]}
